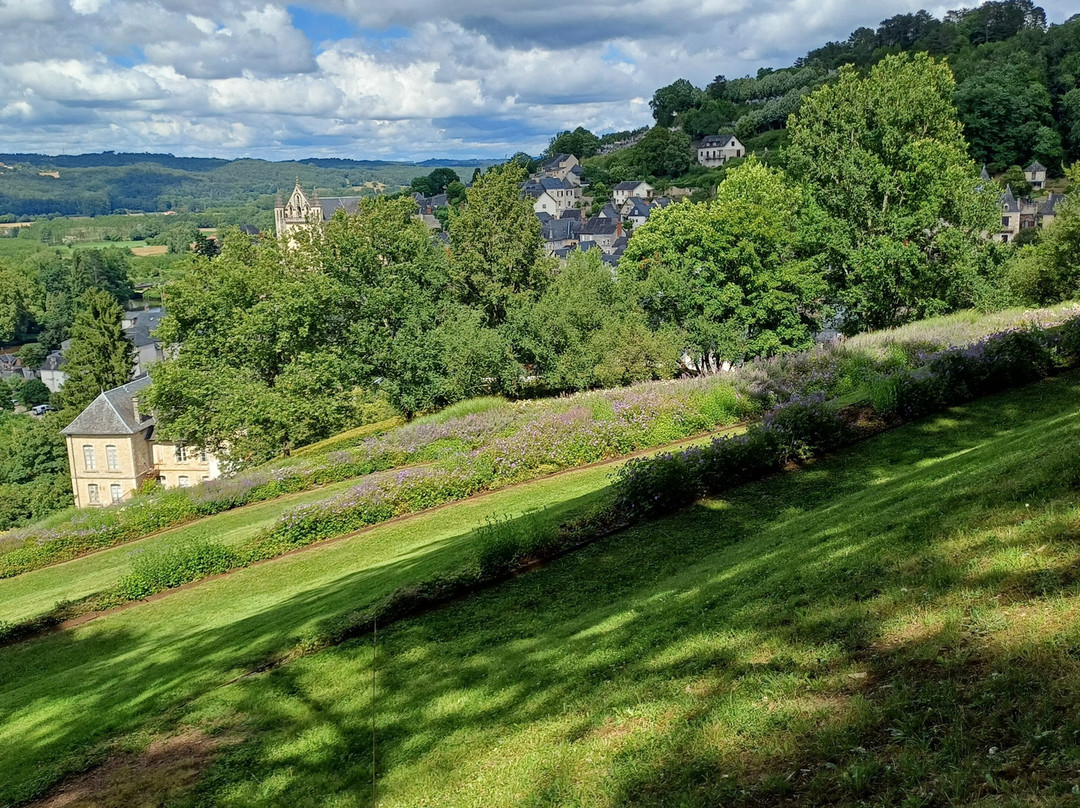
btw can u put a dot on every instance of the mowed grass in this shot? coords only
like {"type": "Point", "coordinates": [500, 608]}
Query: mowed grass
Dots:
{"type": "Point", "coordinates": [66, 692]}
{"type": "Point", "coordinates": [37, 592]}
{"type": "Point", "coordinates": [898, 625]}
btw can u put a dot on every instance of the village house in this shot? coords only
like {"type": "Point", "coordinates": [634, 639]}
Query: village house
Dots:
{"type": "Point", "coordinates": [558, 166]}
{"type": "Point", "coordinates": [301, 212]}
{"type": "Point", "coordinates": [1036, 175]}
{"type": "Point", "coordinates": [52, 373]}
{"type": "Point", "coordinates": [543, 202]}
{"type": "Point", "coordinates": [635, 211]}
{"type": "Point", "coordinates": [602, 232]}
{"type": "Point", "coordinates": [1021, 214]}
{"type": "Point", "coordinates": [624, 190]}
{"type": "Point", "coordinates": [559, 234]}
{"type": "Point", "coordinates": [715, 150]}
{"type": "Point", "coordinates": [112, 451]}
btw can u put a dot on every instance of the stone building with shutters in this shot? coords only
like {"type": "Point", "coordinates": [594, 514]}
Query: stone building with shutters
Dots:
{"type": "Point", "coordinates": [112, 451]}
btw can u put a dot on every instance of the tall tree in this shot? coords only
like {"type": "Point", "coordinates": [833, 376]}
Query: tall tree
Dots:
{"type": "Point", "coordinates": [739, 276]}
{"type": "Point", "coordinates": [100, 357]}
{"type": "Point", "coordinates": [1002, 110]}
{"type": "Point", "coordinates": [675, 98]}
{"type": "Point", "coordinates": [887, 161]}
{"type": "Point", "coordinates": [496, 250]}
{"type": "Point", "coordinates": [581, 143]}
{"type": "Point", "coordinates": [18, 297]}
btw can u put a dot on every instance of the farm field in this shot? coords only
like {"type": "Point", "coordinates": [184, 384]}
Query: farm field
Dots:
{"type": "Point", "coordinates": [866, 627]}
{"type": "Point", "coordinates": [123, 669]}
{"type": "Point", "coordinates": [895, 625]}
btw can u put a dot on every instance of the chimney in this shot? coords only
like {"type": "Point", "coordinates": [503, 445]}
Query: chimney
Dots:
{"type": "Point", "coordinates": [618, 228]}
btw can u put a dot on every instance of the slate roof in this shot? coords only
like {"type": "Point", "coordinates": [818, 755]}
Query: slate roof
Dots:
{"type": "Point", "coordinates": [585, 246]}
{"type": "Point", "coordinates": [1035, 166]}
{"type": "Point", "coordinates": [628, 185]}
{"type": "Point", "coordinates": [112, 413]}
{"type": "Point", "coordinates": [560, 230]}
{"type": "Point", "coordinates": [555, 160]}
{"type": "Point", "coordinates": [638, 207]}
{"type": "Point", "coordinates": [609, 212]}
{"type": "Point", "coordinates": [571, 213]}
{"type": "Point", "coordinates": [661, 202]}
{"type": "Point", "coordinates": [1048, 207]}
{"type": "Point", "coordinates": [544, 216]}
{"type": "Point", "coordinates": [53, 361]}
{"type": "Point", "coordinates": [350, 204]}
{"type": "Point", "coordinates": [554, 184]}
{"type": "Point", "coordinates": [1008, 201]}
{"type": "Point", "coordinates": [716, 141]}
{"type": "Point", "coordinates": [597, 226]}
{"type": "Point", "coordinates": [984, 175]}
{"type": "Point", "coordinates": [249, 230]}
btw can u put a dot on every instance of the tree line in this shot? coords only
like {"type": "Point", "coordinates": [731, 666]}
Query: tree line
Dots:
{"type": "Point", "coordinates": [876, 217]}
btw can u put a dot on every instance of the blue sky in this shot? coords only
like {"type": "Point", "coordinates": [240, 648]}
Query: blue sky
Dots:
{"type": "Point", "coordinates": [408, 79]}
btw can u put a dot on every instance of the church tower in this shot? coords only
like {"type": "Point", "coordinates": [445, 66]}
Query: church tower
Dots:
{"type": "Point", "coordinates": [298, 212]}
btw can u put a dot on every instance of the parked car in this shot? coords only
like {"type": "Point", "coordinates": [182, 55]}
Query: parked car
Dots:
{"type": "Point", "coordinates": [41, 409]}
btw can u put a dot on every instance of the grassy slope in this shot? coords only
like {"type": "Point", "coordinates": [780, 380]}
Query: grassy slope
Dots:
{"type": "Point", "coordinates": [36, 592]}
{"type": "Point", "coordinates": [897, 625]}
{"type": "Point", "coordinates": [113, 674]}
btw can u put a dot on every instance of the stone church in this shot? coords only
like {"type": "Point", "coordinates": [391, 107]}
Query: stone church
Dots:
{"type": "Point", "coordinates": [302, 211]}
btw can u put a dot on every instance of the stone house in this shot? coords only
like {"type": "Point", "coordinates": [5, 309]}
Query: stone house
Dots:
{"type": "Point", "coordinates": [1022, 214]}
{"type": "Point", "coordinates": [635, 211]}
{"type": "Point", "coordinates": [558, 166]}
{"type": "Point", "coordinates": [51, 371]}
{"type": "Point", "coordinates": [624, 190]}
{"type": "Point", "coordinates": [559, 234]}
{"type": "Point", "coordinates": [602, 231]}
{"type": "Point", "coordinates": [1036, 175]}
{"type": "Point", "coordinates": [715, 150]}
{"type": "Point", "coordinates": [112, 450]}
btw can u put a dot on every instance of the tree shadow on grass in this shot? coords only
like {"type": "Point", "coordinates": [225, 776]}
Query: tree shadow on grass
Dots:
{"type": "Point", "coordinates": [65, 692]}
{"type": "Point", "coordinates": [824, 637]}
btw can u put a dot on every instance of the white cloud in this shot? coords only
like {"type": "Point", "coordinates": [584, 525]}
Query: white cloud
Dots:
{"type": "Point", "coordinates": [235, 77]}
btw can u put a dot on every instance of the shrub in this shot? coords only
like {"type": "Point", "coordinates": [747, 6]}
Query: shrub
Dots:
{"type": "Point", "coordinates": [504, 542]}
{"type": "Point", "coordinates": [159, 570]}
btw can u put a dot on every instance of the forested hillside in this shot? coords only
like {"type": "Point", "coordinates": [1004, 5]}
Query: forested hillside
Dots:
{"type": "Point", "coordinates": [97, 184]}
{"type": "Point", "coordinates": [1016, 94]}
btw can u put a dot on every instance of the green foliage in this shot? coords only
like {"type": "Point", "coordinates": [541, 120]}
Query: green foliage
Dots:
{"type": "Point", "coordinates": [885, 158]}
{"type": "Point", "coordinates": [436, 182]}
{"type": "Point", "coordinates": [33, 392]}
{"type": "Point", "coordinates": [33, 467]}
{"type": "Point", "coordinates": [581, 143]}
{"type": "Point", "coordinates": [19, 297]}
{"type": "Point", "coordinates": [1049, 271]}
{"type": "Point", "coordinates": [496, 250]}
{"type": "Point", "coordinates": [32, 355]}
{"type": "Point", "coordinates": [668, 102]}
{"type": "Point", "coordinates": [504, 543]}
{"type": "Point", "coordinates": [737, 276]}
{"type": "Point", "coordinates": [173, 566]}
{"type": "Point", "coordinates": [1014, 178]}
{"type": "Point", "coordinates": [100, 357]}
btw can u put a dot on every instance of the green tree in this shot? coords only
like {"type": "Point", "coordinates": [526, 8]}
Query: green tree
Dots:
{"type": "Point", "coordinates": [32, 355]}
{"type": "Point", "coordinates": [1049, 271]}
{"type": "Point", "coordinates": [886, 160]}
{"type": "Point", "coordinates": [100, 357]}
{"type": "Point", "coordinates": [711, 118]}
{"type": "Point", "coordinates": [18, 297]}
{"type": "Point", "coordinates": [664, 153]}
{"type": "Point", "coordinates": [496, 250]}
{"type": "Point", "coordinates": [738, 277]}
{"type": "Point", "coordinates": [675, 98]}
{"type": "Point", "coordinates": [33, 392]}
{"type": "Point", "coordinates": [1014, 177]}
{"type": "Point", "coordinates": [581, 143]}
{"type": "Point", "coordinates": [1002, 109]}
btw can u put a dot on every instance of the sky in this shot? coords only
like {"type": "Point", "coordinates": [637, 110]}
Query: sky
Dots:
{"type": "Point", "coordinates": [380, 79]}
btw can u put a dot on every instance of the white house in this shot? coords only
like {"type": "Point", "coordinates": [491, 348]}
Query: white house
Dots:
{"type": "Point", "coordinates": [625, 190]}
{"type": "Point", "coordinates": [715, 150]}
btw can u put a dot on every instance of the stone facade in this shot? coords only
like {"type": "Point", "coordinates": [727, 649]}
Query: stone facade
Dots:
{"type": "Point", "coordinates": [112, 451]}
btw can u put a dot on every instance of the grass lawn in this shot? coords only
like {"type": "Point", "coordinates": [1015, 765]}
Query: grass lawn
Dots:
{"type": "Point", "coordinates": [895, 626]}
{"type": "Point", "coordinates": [66, 691]}
{"type": "Point", "coordinates": [36, 592]}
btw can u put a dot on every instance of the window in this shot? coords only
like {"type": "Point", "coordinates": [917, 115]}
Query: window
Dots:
{"type": "Point", "coordinates": [183, 481]}
{"type": "Point", "coordinates": [205, 479]}
{"type": "Point", "coordinates": [115, 492]}
{"type": "Point", "coordinates": [88, 458]}
{"type": "Point", "coordinates": [1004, 221]}
{"type": "Point", "coordinates": [202, 456]}
{"type": "Point", "coordinates": [93, 496]}
{"type": "Point", "coordinates": [181, 454]}
{"type": "Point", "coordinates": [112, 459]}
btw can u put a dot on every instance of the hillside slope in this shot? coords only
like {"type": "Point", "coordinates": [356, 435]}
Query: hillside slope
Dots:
{"type": "Point", "coordinates": [896, 625]}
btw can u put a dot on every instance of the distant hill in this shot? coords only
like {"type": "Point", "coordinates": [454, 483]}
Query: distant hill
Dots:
{"type": "Point", "coordinates": [109, 182]}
